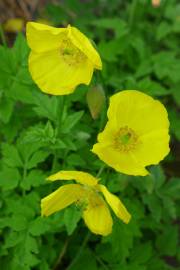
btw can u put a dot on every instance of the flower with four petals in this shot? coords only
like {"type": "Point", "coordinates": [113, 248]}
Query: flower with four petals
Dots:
{"type": "Point", "coordinates": [87, 194]}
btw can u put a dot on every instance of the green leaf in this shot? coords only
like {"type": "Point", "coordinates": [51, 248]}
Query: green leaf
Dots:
{"type": "Point", "coordinates": [144, 68]}
{"type": "Point", "coordinates": [11, 156]}
{"type": "Point", "coordinates": [7, 68]}
{"type": "Point", "coordinates": [17, 223]}
{"type": "Point", "coordinates": [167, 241]}
{"type": "Point", "coordinates": [174, 118]}
{"type": "Point", "coordinates": [163, 30]}
{"type": "Point", "coordinates": [6, 109]}
{"type": "Point", "coordinates": [110, 50]}
{"type": "Point", "coordinates": [72, 215]}
{"type": "Point", "coordinates": [27, 149]}
{"type": "Point", "coordinates": [35, 178]}
{"type": "Point", "coordinates": [121, 240]}
{"type": "Point", "coordinates": [142, 253]}
{"type": "Point", "coordinates": [21, 90]}
{"type": "Point", "coordinates": [166, 65]}
{"type": "Point", "coordinates": [169, 207]}
{"type": "Point", "coordinates": [13, 239]}
{"type": "Point", "coordinates": [26, 206]}
{"type": "Point", "coordinates": [155, 206]}
{"type": "Point", "coordinates": [25, 252]}
{"type": "Point", "coordinates": [75, 160]}
{"type": "Point", "coordinates": [158, 175]}
{"type": "Point", "coordinates": [9, 178]}
{"type": "Point", "coordinates": [70, 121]}
{"type": "Point", "coordinates": [41, 133]}
{"type": "Point", "coordinates": [119, 26]}
{"type": "Point", "coordinates": [36, 158]}
{"type": "Point", "coordinates": [39, 226]}
{"type": "Point", "coordinates": [20, 49]}
{"type": "Point", "coordinates": [139, 45]}
{"type": "Point", "coordinates": [172, 188]}
{"type": "Point", "coordinates": [46, 106]}
{"type": "Point", "coordinates": [152, 88]}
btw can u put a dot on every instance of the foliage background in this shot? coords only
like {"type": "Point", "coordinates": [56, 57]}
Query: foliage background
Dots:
{"type": "Point", "coordinates": [139, 47]}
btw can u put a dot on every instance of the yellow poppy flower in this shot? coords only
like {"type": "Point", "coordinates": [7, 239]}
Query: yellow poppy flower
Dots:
{"type": "Point", "coordinates": [136, 134]}
{"type": "Point", "coordinates": [60, 58]}
{"type": "Point", "coordinates": [85, 193]}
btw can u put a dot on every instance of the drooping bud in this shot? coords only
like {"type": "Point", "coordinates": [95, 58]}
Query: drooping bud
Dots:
{"type": "Point", "coordinates": [95, 100]}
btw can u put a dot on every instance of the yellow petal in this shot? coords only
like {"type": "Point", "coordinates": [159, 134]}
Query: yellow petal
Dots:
{"type": "Point", "coordinates": [120, 161]}
{"type": "Point", "coordinates": [116, 205]}
{"type": "Point", "coordinates": [54, 76]}
{"type": "Point", "coordinates": [41, 37]}
{"type": "Point", "coordinates": [80, 177]}
{"type": "Point", "coordinates": [84, 44]}
{"type": "Point", "coordinates": [138, 111]}
{"type": "Point", "coordinates": [153, 147]}
{"type": "Point", "coordinates": [98, 218]}
{"type": "Point", "coordinates": [108, 134]}
{"type": "Point", "coordinates": [61, 198]}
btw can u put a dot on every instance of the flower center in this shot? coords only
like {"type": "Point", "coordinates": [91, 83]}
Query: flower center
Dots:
{"type": "Point", "coordinates": [126, 139]}
{"type": "Point", "coordinates": [90, 197]}
{"type": "Point", "coordinates": [70, 53]}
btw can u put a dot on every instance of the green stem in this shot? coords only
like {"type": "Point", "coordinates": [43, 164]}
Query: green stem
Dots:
{"type": "Point", "coordinates": [101, 170]}
{"type": "Point", "coordinates": [54, 163]}
{"type": "Point", "coordinates": [132, 13]}
{"type": "Point", "coordinates": [62, 253]}
{"type": "Point", "coordinates": [60, 111]}
{"type": "Point", "coordinates": [100, 261]}
{"type": "Point", "coordinates": [78, 254]}
{"type": "Point", "coordinates": [2, 35]}
{"type": "Point", "coordinates": [61, 103]}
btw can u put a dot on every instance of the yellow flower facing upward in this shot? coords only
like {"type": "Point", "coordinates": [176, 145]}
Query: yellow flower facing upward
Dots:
{"type": "Point", "coordinates": [60, 58]}
{"type": "Point", "coordinates": [136, 134]}
{"type": "Point", "coordinates": [85, 193]}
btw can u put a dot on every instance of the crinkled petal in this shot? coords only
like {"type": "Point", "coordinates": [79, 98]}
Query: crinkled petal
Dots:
{"type": "Point", "coordinates": [84, 44]}
{"type": "Point", "coordinates": [80, 177]}
{"type": "Point", "coordinates": [116, 204]}
{"type": "Point", "coordinates": [120, 161]}
{"type": "Point", "coordinates": [41, 37]}
{"type": "Point", "coordinates": [153, 147]}
{"type": "Point", "coordinates": [61, 198]}
{"type": "Point", "coordinates": [137, 111]}
{"type": "Point", "coordinates": [54, 76]}
{"type": "Point", "coordinates": [98, 219]}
